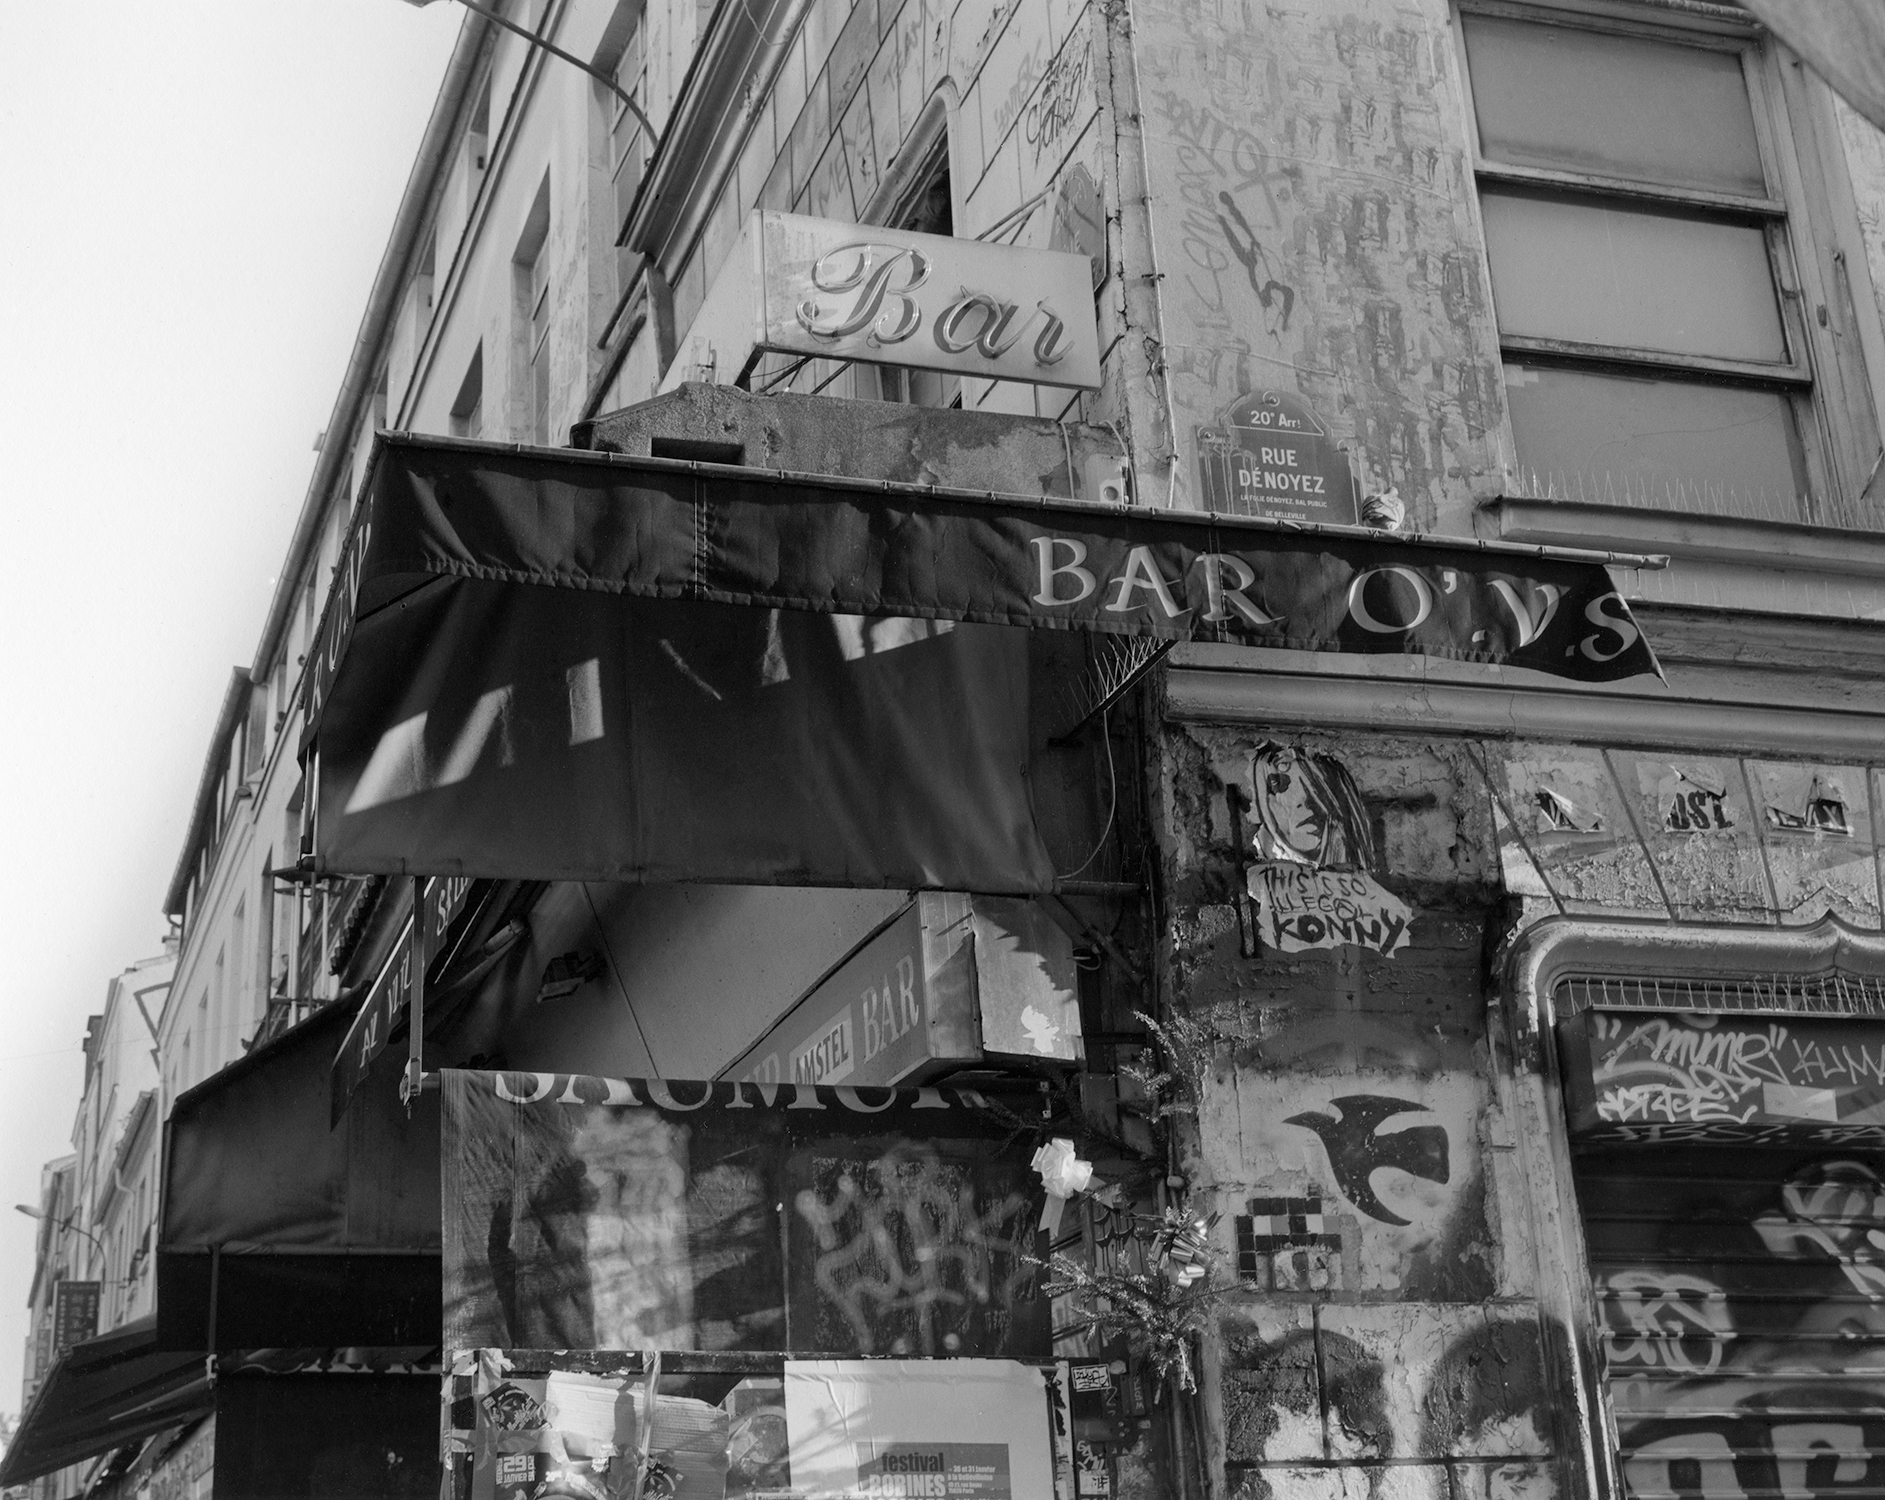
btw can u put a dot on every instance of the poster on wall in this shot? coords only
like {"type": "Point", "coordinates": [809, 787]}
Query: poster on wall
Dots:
{"type": "Point", "coordinates": [523, 1425]}
{"type": "Point", "coordinates": [965, 1429]}
{"type": "Point", "coordinates": [1312, 856]}
{"type": "Point", "coordinates": [593, 1213]}
{"type": "Point", "coordinates": [1648, 1075]}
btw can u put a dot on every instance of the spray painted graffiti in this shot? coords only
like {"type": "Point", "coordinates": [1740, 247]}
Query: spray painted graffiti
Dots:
{"type": "Point", "coordinates": [1712, 1070]}
{"type": "Point", "coordinates": [907, 1252]}
{"type": "Point", "coordinates": [1061, 101]}
{"type": "Point", "coordinates": [1678, 1321]}
{"type": "Point", "coordinates": [1742, 1298]}
{"type": "Point", "coordinates": [1276, 298]}
{"type": "Point", "coordinates": [1358, 1148]}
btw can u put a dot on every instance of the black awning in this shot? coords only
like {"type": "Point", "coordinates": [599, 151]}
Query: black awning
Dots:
{"type": "Point", "coordinates": [674, 529]}
{"type": "Point", "coordinates": [283, 1232]}
{"type": "Point", "coordinates": [716, 672]}
{"type": "Point", "coordinates": [103, 1394]}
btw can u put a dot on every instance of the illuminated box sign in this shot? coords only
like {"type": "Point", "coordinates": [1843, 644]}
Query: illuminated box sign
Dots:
{"type": "Point", "coordinates": [831, 290]}
{"type": "Point", "coordinates": [74, 1314]}
{"type": "Point", "coordinates": [948, 981]}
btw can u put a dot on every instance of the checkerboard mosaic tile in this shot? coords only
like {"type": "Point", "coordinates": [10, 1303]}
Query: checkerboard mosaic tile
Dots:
{"type": "Point", "coordinates": [1275, 1224]}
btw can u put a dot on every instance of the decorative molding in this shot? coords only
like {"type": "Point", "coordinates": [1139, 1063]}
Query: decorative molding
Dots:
{"type": "Point", "coordinates": [1557, 947]}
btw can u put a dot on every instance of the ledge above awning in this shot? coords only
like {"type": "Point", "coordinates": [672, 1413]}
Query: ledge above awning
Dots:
{"type": "Point", "coordinates": [103, 1394]}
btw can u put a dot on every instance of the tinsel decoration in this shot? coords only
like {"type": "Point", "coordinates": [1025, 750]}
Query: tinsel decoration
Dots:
{"type": "Point", "coordinates": [1161, 1310]}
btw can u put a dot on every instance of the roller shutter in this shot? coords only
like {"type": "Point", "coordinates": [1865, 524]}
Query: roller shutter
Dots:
{"type": "Point", "coordinates": [1730, 1174]}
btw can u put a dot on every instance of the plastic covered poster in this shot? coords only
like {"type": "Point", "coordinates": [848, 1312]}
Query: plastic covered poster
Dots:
{"type": "Point", "coordinates": [530, 1425]}
{"type": "Point", "coordinates": [964, 1429]}
{"type": "Point", "coordinates": [571, 1433]}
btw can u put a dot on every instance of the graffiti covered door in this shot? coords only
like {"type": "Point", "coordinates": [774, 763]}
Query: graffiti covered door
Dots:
{"type": "Point", "coordinates": [1741, 1291]}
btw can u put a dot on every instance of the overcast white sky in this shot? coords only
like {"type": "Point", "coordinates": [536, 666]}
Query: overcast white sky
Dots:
{"type": "Point", "coordinates": [194, 195]}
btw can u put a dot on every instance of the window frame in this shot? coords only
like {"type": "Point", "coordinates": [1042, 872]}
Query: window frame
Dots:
{"type": "Point", "coordinates": [1827, 387]}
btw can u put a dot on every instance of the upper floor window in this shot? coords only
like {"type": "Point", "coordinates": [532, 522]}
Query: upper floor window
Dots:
{"type": "Point", "coordinates": [628, 142]}
{"type": "Point", "coordinates": [924, 203]}
{"type": "Point", "coordinates": [467, 412]}
{"type": "Point", "coordinates": [1639, 229]}
{"type": "Point", "coordinates": [530, 264]}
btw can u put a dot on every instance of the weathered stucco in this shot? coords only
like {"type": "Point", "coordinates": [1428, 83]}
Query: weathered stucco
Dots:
{"type": "Point", "coordinates": [1392, 1339]}
{"type": "Point", "coordinates": [1314, 232]}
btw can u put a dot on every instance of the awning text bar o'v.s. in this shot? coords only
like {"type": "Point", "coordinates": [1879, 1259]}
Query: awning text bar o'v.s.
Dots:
{"type": "Point", "coordinates": [673, 529]}
{"type": "Point", "coordinates": [554, 664]}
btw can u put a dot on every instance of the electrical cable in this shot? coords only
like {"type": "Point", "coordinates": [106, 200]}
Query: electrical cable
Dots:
{"type": "Point", "coordinates": [1112, 799]}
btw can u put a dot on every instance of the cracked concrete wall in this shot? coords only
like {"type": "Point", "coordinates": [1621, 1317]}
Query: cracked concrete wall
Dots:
{"type": "Point", "coordinates": [1357, 1136]}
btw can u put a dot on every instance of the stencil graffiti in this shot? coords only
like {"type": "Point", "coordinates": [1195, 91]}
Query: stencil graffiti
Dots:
{"type": "Point", "coordinates": [1357, 1148]}
{"type": "Point", "coordinates": [1417, 1389]}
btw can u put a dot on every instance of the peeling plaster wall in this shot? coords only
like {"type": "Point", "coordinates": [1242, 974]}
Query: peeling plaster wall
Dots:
{"type": "Point", "coordinates": [1393, 1344]}
{"type": "Point", "coordinates": [1387, 1177]}
{"type": "Point", "coordinates": [1315, 233]}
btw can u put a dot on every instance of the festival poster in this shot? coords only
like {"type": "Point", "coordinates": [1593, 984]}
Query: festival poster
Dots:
{"type": "Point", "coordinates": [960, 1429]}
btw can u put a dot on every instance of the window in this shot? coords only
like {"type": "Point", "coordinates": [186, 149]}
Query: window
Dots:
{"type": "Point", "coordinates": [628, 142]}
{"type": "Point", "coordinates": [216, 1036]}
{"type": "Point", "coordinates": [255, 736]}
{"type": "Point", "coordinates": [926, 205]}
{"type": "Point", "coordinates": [468, 405]}
{"type": "Point", "coordinates": [531, 273]}
{"type": "Point", "coordinates": [1648, 305]}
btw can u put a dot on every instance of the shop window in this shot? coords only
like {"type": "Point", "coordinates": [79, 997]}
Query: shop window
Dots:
{"type": "Point", "coordinates": [1639, 226]}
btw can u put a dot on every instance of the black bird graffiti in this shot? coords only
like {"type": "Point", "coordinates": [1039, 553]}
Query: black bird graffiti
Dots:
{"type": "Point", "coordinates": [1356, 1152]}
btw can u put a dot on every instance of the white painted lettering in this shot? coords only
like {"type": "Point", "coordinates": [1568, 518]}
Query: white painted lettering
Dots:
{"type": "Point", "coordinates": [1044, 556]}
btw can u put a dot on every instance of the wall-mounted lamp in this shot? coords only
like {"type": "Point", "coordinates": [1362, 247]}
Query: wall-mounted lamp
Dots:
{"type": "Point", "coordinates": [498, 19]}
{"type": "Point", "coordinates": [35, 1213]}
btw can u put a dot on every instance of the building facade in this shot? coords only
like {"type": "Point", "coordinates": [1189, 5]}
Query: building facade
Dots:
{"type": "Point", "coordinates": [95, 1268]}
{"type": "Point", "coordinates": [1480, 1062]}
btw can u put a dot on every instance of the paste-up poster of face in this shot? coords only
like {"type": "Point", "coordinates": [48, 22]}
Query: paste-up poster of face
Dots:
{"type": "Point", "coordinates": [1314, 857]}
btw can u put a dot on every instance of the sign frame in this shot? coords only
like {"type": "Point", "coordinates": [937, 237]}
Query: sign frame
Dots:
{"type": "Point", "coordinates": [827, 289]}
